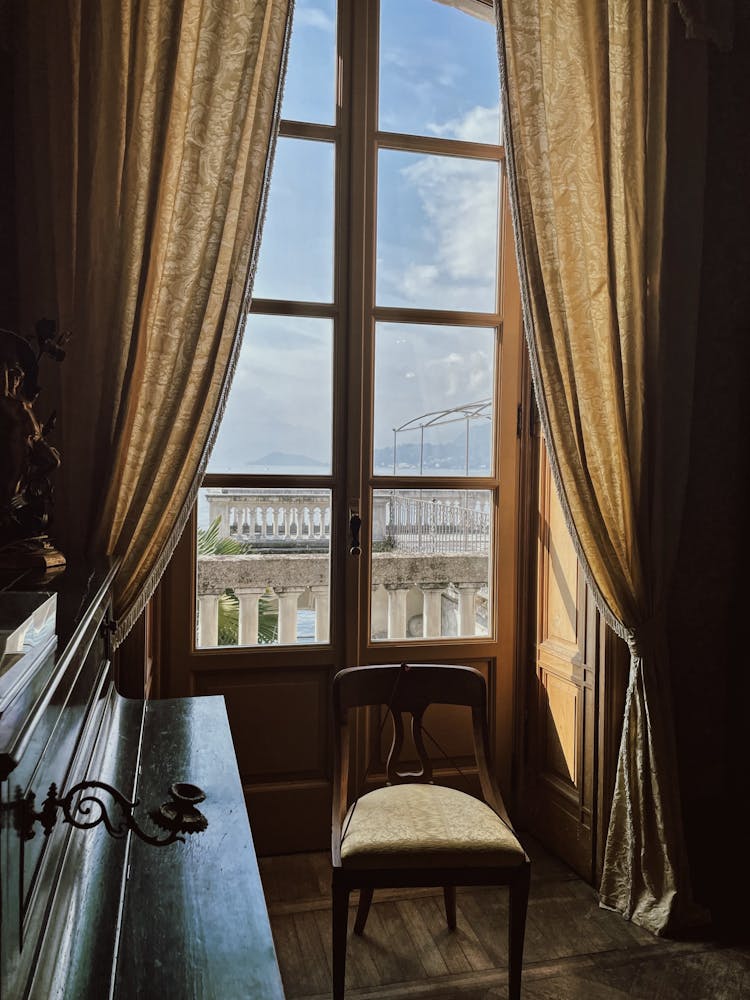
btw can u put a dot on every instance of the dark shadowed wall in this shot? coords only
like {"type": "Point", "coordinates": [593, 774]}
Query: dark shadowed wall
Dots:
{"type": "Point", "coordinates": [710, 609]}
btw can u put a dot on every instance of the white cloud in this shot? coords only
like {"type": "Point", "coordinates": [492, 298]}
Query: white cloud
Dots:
{"type": "Point", "coordinates": [460, 378]}
{"type": "Point", "coordinates": [479, 124]}
{"type": "Point", "coordinates": [446, 258]}
{"type": "Point", "coordinates": [314, 17]}
{"type": "Point", "coordinates": [281, 393]}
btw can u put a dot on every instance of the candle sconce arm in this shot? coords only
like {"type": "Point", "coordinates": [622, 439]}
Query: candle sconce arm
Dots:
{"type": "Point", "coordinates": [83, 809]}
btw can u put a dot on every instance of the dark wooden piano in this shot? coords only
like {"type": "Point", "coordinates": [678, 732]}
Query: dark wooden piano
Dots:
{"type": "Point", "coordinates": [85, 914]}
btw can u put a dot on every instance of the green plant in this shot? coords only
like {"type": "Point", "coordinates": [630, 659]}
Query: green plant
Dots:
{"type": "Point", "coordinates": [387, 544]}
{"type": "Point", "coordinates": [229, 620]}
{"type": "Point", "coordinates": [268, 621]}
{"type": "Point", "coordinates": [210, 544]}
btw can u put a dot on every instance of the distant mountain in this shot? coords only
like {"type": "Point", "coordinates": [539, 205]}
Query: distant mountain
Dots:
{"type": "Point", "coordinates": [449, 454]}
{"type": "Point", "coordinates": [285, 458]}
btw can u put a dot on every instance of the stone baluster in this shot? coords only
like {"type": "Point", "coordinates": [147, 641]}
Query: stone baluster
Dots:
{"type": "Point", "coordinates": [322, 621]}
{"type": "Point", "coordinates": [467, 608]}
{"type": "Point", "coordinates": [248, 598]}
{"type": "Point", "coordinates": [288, 600]}
{"type": "Point", "coordinates": [275, 515]}
{"type": "Point", "coordinates": [396, 611]}
{"type": "Point", "coordinates": [432, 610]}
{"type": "Point", "coordinates": [214, 510]}
{"type": "Point", "coordinates": [208, 620]}
{"type": "Point", "coordinates": [222, 509]}
{"type": "Point", "coordinates": [379, 512]}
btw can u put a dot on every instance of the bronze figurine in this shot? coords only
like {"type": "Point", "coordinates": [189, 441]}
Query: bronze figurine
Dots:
{"type": "Point", "coordinates": [27, 459]}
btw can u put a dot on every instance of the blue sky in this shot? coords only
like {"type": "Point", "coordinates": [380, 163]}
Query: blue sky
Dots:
{"type": "Point", "coordinates": [436, 247]}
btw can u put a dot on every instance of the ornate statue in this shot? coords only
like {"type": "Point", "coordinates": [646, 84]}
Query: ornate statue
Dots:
{"type": "Point", "coordinates": [27, 459]}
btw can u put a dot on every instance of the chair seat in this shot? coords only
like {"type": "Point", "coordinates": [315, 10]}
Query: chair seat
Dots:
{"type": "Point", "coordinates": [426, 826]}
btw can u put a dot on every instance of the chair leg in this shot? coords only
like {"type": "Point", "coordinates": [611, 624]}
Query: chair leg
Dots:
{"type": "Point", "coordinates": [519, 898]}
{"type": "Point", "coordinates": [340, 924]}
{"type": "Point", "coordinates": [449, 895]}
{"type": "Point", "coordinates": [365, 898]}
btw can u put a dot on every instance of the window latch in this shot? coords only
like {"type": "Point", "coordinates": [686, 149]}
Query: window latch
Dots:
{"type": "Point", "coordinates": [355, 524]}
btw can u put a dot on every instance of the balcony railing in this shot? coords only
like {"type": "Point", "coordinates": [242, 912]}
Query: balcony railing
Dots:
{"type": "Point", "coordinates": [410, 520]}
{"type": "Point", "coordinates": [284, 516]}
{"type": "Point", "coordinates": [429, 570]}
{"type": "Point", "coordinates": [416, 524]}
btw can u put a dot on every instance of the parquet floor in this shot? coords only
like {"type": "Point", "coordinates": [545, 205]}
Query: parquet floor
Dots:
{"type": "Point", "coordinates": [573, 950]}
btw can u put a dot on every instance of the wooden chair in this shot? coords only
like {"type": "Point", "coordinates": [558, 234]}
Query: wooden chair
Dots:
{"type": "Point", "coordinates": [412, 832]}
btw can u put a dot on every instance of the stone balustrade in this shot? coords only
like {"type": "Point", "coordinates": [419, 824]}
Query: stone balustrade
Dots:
{"type": "Point", "coordinates": [445, 520]}
{"type": "Point", "coordinates": [409, 598]}
{"type": "Point", "coordinates": [282, 516]}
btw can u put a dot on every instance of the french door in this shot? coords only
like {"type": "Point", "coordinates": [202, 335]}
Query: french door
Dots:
{"type": "Point", "coordinates": [362, 500]}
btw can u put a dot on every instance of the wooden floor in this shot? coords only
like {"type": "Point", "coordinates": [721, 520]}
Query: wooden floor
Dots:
{"type": "Point", "coordinates": [573, 950]}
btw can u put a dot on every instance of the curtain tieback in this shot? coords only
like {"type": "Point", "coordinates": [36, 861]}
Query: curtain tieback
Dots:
{"type": "Point", "coordinates": [646, 638]}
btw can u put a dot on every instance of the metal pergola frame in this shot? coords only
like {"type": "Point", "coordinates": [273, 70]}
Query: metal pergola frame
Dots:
{"type": "Point", "coordinates": [481, 410]}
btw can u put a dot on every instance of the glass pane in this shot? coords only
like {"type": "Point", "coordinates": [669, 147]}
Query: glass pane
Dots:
{"type": "Point", "coordinates": [439, 71]}
{"type": "Point", "coordinates": [296, 253]}
{"type": "Point", "coordinates": [279, 414]}
{"type": "Point", "coordinates": [310, 87]}
{"type": "Point", "coordinates": [263, 568]}
{"type": "Point", "coordinates": [431, 565]}
{"type": "Point", "coordinates": [438, 227]}
{"type": "Point", "coordinates": [433, 400]}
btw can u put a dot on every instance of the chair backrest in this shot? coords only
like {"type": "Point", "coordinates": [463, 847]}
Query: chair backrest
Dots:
{"type": "Point", "coordinates": [409, 688]}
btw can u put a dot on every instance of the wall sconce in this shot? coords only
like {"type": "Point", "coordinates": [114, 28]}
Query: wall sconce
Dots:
{"type": "Point", "coordinates": [176, 816]}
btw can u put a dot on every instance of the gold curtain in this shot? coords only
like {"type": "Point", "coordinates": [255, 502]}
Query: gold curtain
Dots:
{"type": "Point", "coordinates": [612, 347]}
{"type": "Point", "coordinates": [143, 133]}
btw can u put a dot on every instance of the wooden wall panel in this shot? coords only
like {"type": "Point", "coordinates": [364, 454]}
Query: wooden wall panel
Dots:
{"type": "Point", "coordinates": [278, 721]}
{"type": "Point", "coordinates": [560, 626]}
{"type": "Point", "coordinates": [563, 723]}
{"type": "Point", "coordinates": [561, 710]}
{"type": "Point", "coordinates": [280, 724]}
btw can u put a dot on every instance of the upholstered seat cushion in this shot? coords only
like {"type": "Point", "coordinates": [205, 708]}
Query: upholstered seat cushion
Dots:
{"type": "Point", "coordinates": [425, 826]}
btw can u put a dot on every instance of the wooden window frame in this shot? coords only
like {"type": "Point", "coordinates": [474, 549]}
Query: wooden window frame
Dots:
{"type": "Point", "coordinates": [357, 141]}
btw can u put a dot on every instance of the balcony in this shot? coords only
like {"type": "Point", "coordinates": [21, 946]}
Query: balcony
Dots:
{"type": "Point", "coordinates": [430, 565]}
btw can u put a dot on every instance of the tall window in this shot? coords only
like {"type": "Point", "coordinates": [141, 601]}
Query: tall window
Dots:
{"type": "Point", "coordinates": [368, 385]}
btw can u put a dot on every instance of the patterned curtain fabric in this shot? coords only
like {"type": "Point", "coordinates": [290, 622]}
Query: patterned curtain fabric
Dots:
{"type": "Point", "coordinates": [612, 346]}
{"type": "Point", "coordinates": [142, 146]}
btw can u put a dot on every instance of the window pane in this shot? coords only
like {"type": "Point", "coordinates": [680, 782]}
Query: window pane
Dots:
{"type": "Point", "coordinates": [431, 564]}
{"type": "Point", "coordinates": [280, 408]}
{"type": "Point", "coordinates": [439, 71]}
{"type": "Point", "coordinates": [263, 568]}
{"type": "Point", "coordinates": [310, 88]}
{"type": "Point", "coordinates": [438, 227]}
{"type": "Point", "coordinates": [296, 253]}
{"type": "Point", "coordinates": [433, 400]}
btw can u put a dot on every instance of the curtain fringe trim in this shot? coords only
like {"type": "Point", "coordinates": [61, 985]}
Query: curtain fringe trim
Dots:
{"type": "Point", "coordinates": [136, 609]}
{"type": "Point", "coordinates": [528, 322]}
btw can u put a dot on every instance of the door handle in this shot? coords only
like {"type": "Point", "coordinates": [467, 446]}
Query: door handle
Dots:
{"type": "Point", "coordinates": [355, 524]}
